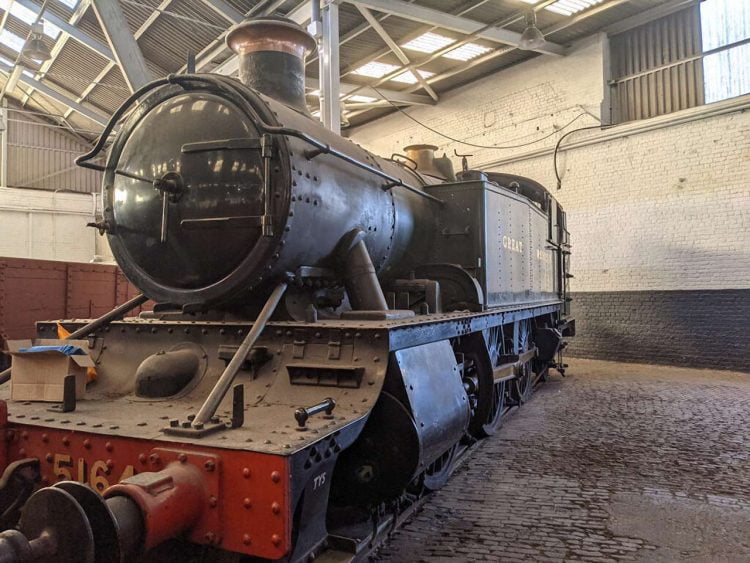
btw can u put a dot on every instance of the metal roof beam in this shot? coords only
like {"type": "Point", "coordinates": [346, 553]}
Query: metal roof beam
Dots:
{"type": "Point", "coordinates": [73, 31]}
{"type": "Point", "coordinates": [301, 14]}
{"type": "Point", "coordinates": [460, 10]}
{"type": "Point", "coordinates": [57, 96]}
{"type": "Point", "coordinates": [642, 18]}
{"type": "Point", "coordinates": [459, 24]}
{"type": "Point", "coordinates": [80, 10]}
{"type": "Point", "coordinates": [546, 31]}
{"type": "Point", "coordinates": [150, 20]}
{"type": "Point", "coordinates": [397, 50]}
{"type": "Point", "coordinates": [454, 45]}
{"type": "Point", "coordinates": [126, 51]}
{"type": "Point", "coordinates": [225, 10]}
{"type": "Point", "coordinates": [395, 95]}
{"type": "Point", "coordinates": [498, 52]}
{"type": "Point", "coordinates": [2, 27]}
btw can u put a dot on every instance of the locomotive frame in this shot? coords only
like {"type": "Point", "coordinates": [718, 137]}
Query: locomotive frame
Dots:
{"type": "Point", "coordinates": [268, 473]}
{"type": "Point", "coordinates": [253, 497]}
{"type": "Point", "coordinates": [301, 399]}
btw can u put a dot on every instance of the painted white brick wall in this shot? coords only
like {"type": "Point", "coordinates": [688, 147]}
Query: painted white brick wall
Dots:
{"type": "Point", "coordinates": [47, 225]}
{"type": "Point", "coordinates": [513, 107]}
{"type": "Point", "coordinates": [667, 209]}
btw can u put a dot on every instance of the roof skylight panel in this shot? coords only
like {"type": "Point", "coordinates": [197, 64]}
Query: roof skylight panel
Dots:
{"type": "Point", "coordinates": [11, 40]}
{"type": "Point", "coordinates": [570, 7]}
{"type": "Point", "coordinates": [428, 42]}
{"type": "Point", "coordinates": [408, 77]}
{"type": "Point", "coordinates": [467, 52]}
{"type": "Point", "coordinates": [375, 69]}
{"type": "Point", "coordinates": [72, 4]}
{"type": "Point", "coordinates": [51, 30]}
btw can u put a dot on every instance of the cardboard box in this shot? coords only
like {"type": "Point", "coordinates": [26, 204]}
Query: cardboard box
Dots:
{"type": "Point", "coordinates": [39, 376]}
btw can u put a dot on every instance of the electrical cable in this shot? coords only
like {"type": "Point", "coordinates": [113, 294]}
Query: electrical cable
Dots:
{"type": "Point", "coordinates": [600, 127]}
{"type": "Point", "coordinates": [557, 145]}
{"type": "Point", "coordinates": [441, 134]}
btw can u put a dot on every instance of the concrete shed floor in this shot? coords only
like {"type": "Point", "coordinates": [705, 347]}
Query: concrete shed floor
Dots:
{"type": "Point", "coordinates": [614, 462]}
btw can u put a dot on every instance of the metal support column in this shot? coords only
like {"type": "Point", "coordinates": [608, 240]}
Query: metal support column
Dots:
{"type": "Point", "coordinates": [330, 105]}
{"type": "Point", "coordinates": [4, 144]}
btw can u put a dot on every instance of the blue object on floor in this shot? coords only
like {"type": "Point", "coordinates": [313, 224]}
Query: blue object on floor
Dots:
{"type": "Point", "coordinates": [65, 349]}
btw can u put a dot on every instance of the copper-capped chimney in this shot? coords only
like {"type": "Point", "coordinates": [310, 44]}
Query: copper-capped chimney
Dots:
{"type": "Point", "coordinates": [272, 55]}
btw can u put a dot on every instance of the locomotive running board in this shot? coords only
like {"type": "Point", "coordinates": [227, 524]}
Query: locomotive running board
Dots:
{"type": "Point", "coordinates": [349, 549]}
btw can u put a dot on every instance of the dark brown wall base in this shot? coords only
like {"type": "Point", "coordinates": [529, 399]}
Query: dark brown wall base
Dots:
{"type": "Point", "coordinates": [702, 328]}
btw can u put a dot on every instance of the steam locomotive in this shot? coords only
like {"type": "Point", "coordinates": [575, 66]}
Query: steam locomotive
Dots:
{"type": "Point", "coordinates": [332, 331]}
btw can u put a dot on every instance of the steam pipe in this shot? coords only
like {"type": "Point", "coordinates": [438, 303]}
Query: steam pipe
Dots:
{"type": "Point", "coordinates": [360, 278]}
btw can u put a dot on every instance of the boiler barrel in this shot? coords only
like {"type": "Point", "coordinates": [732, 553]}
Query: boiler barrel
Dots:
{"type": "Point", "coordinates": [196, 237]}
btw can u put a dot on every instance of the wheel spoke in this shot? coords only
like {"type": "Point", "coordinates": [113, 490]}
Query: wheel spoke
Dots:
{"type": "Point", "coordinates": [440, 470]}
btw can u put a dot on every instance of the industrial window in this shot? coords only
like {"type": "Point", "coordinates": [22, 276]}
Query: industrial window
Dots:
{"type": "Point", "coordinates": [696, 56]}
{"type": "Point", "coordinates": [726, 48]}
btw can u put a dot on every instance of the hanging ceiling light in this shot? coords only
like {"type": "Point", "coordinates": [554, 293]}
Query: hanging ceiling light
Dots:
{"type": "Point", "coordinates": [531, 38]}
{"type": "Point", "coordinates": [35, 48]}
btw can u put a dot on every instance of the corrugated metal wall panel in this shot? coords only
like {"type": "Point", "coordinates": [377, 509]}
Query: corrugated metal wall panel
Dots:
{"type": "Point", "coordinates": [41, 156]}
{"type": "Point", "coordinates": [657, 67]}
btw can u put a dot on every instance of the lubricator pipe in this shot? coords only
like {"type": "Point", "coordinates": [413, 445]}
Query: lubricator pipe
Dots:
{"type": "Point", "coordinates": [113, 315]}
{"type": "Point", "coordinates": [170, 501]}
